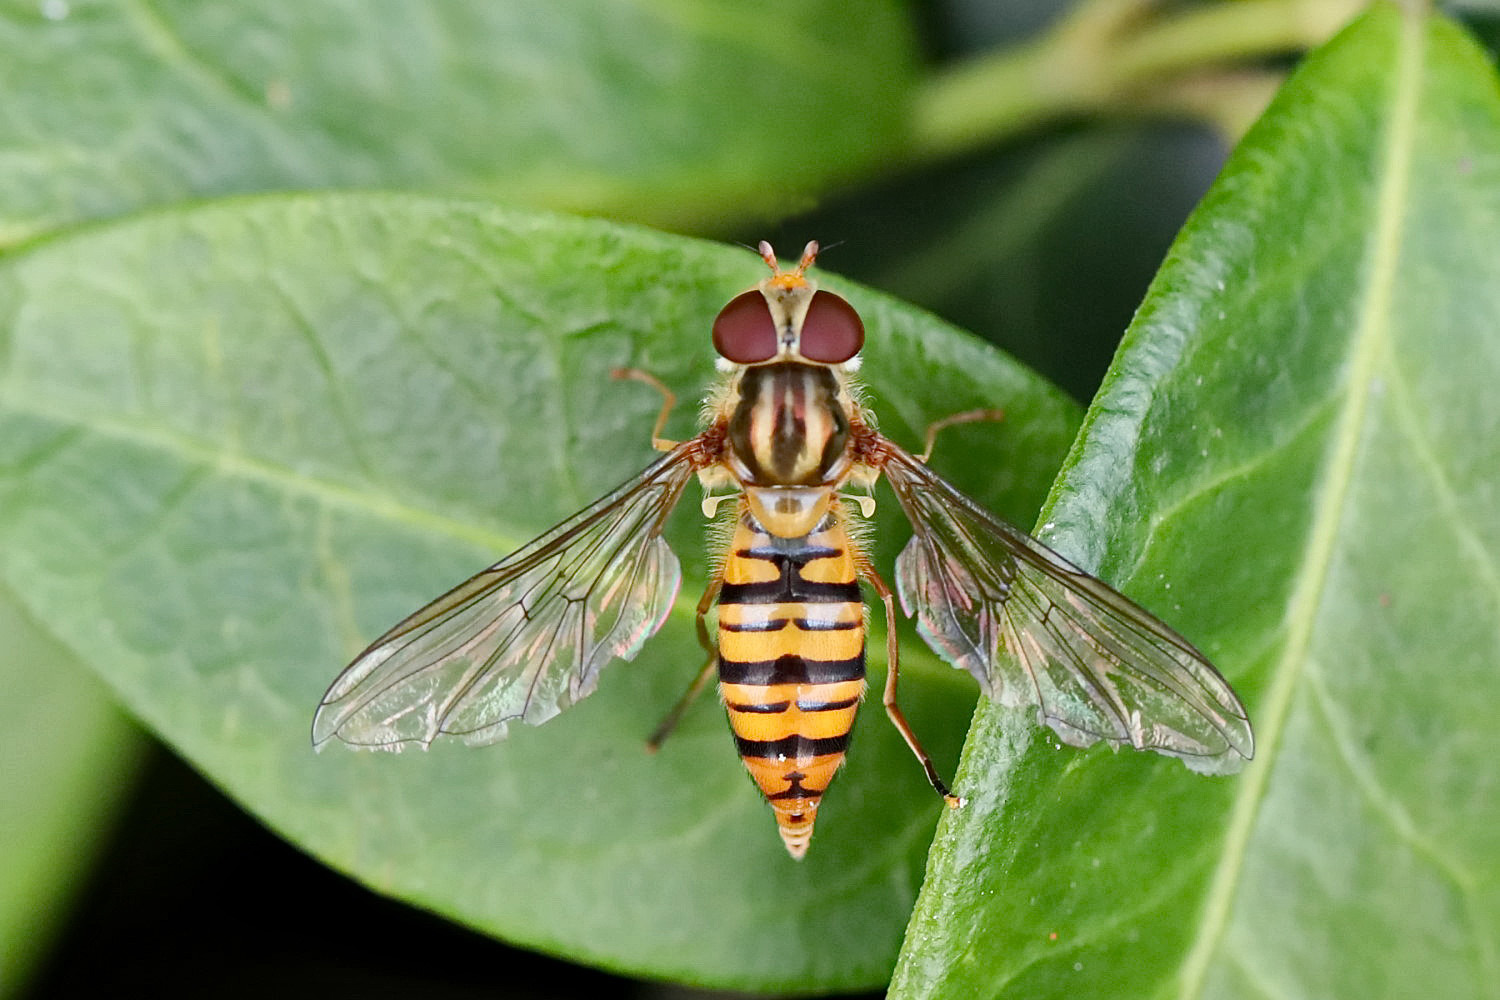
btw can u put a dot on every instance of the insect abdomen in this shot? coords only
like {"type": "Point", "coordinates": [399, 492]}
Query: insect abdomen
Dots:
{"type": "Point", "coordinates": [791, 664]}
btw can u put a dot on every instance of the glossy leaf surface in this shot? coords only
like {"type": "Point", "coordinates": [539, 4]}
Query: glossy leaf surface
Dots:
{"type": "Point", "coordinates": [1293, 460]}
{"type": "Point", "coordinates": [246, 439]}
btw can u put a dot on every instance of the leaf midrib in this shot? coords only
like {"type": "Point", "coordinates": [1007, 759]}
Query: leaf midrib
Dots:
{"type": "Point", "coordinates": [1370, 341]}
{"type": "Point", "coordinates": [236, 464]}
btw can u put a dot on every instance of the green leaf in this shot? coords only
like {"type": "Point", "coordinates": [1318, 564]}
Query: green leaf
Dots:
{"type": "Point", "coordinates": [245, 439]}
{"type": "Point", "coordinates": [1294, 462]}
{"type": "Point", "coordinates": [69, 757]}
{"type": "Point", "coordinates": [660, 109]}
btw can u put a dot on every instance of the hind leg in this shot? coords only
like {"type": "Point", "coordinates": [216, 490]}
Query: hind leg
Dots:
{"type": "Point", "coordinates": [892, 678]}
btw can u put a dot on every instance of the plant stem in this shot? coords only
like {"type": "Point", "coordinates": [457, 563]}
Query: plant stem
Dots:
{"type": "Point", "coordinates": [1117, 54]}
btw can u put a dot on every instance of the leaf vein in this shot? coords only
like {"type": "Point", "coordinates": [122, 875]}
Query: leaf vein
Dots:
{"type": "Point", "coordinates": [1402, 824]}
{"type": "Point", "coordinates": [170, 44]}
{"type": "Point", "coordinates": [1310, 421]}
{"type": "Point", "coordinates": [561, 426]}
{"type": "Point", "coordinates": [1359, 768]}
{"type": "Point", "coordinates": [341, 405]}
{"type": "Point", "coordinates": [1453, 516]}
{"type": "Point", "coordinates": [239, 465]}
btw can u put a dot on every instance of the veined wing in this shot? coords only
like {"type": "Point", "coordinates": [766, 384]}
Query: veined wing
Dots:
{"type": "Point", "coordinates": [1035, 629]}
{"type": "Point", "coordinates": [525, 638]}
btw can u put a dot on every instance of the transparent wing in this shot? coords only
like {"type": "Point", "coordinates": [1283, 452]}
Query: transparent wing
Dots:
{"type": "Point", "coordinates": [525, 638]}
{"type": "Point", "coordinates": [1096, 665]}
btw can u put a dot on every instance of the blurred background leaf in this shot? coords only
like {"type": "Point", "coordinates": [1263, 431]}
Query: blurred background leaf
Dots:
{"type": "Point", "coordinates": [668, 112]}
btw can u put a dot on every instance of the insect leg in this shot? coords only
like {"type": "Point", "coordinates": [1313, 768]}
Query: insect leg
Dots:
{"type": "Point", "coordinates": [662, 731]}
{"type": "Point", "coordinates": [669, 400]}
{"type": "Point", "coordinates": [966, 417]}
{"type": "Point", "coordinates": [892, 676]}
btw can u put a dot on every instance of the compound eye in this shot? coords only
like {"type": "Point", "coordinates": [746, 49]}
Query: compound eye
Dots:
{"type": "Point", "coordinates": [832, 333]}
{"type": "Point", "coordinates": [744, 331]}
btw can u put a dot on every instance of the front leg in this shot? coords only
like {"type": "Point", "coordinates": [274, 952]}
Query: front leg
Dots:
{"type": "Point", "coordinates": [669, 400]}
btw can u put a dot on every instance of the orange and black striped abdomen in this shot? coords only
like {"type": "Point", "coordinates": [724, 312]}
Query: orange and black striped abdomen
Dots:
{"type": "Point", "coordinates": [791, 663]}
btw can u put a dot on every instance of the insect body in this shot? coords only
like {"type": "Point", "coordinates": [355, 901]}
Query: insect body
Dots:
{"type": "Point", "coordinates": [787, 442]}
{"type": "Point", "coordinates": [791, 661]}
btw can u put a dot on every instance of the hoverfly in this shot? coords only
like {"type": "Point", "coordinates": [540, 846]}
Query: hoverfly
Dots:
{"type": "Point", "coordinates": [786, 441]}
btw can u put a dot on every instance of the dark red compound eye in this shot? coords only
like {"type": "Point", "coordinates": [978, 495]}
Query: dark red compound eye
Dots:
{"type": "Point", "coordinates": [744, 331]}
{"type": "Point", "coordinates": [832, 333]}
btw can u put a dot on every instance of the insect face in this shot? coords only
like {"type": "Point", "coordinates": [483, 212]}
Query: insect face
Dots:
{"type": "Point", "coordinates": [788, 318]}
